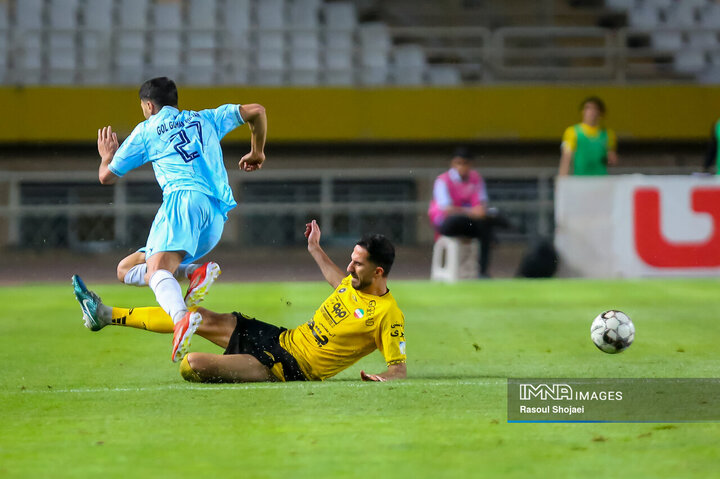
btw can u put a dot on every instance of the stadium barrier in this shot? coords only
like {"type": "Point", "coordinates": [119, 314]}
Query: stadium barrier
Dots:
{"type": "Point", "coordinates": [70, 209]}
{"type": "Point", "coordinates": [638, 226]}
{"type": "Point", "coordinates": [494, 113]}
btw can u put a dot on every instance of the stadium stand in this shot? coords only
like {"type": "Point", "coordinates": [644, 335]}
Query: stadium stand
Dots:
{"type": "Point", "coordinates": [315, 42]}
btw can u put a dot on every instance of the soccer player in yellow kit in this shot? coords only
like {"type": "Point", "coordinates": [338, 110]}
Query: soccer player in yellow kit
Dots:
{"type": "Point", "coordinates": [360, 316]}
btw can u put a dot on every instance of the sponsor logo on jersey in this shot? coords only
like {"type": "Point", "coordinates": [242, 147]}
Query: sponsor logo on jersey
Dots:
{"type": "Point", "coordinates": [342, 290]}
{"type": "Point", "coordinates": [359, 313]}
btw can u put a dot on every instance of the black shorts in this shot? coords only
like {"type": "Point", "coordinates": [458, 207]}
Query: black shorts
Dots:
{"type": "Point", "coordinates": [262, 341]}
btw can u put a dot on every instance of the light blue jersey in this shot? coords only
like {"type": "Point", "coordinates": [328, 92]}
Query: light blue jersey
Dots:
{"type": "Point", "coordinates": [184, 148]}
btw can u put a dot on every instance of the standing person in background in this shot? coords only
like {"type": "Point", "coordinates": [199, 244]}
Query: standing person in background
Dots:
{"type": "Point", "coordinates": [588, 146]}
{"type": "Point", "coordinates": [459, 206]}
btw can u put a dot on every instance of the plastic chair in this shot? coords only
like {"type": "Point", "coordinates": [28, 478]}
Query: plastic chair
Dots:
{"type": "Point", "coordinates": [201, 55]}
{"type": "Point", "coordinates": [444, 75]}
{"type": "Point", "coordinates": [689, 61]}
{"type": "Point", "coordinates": [62, 61]}
{"type": "Point", "coordinates": [29, 22]}
{"type": "Point", "coordinates": [667, 41]}
{"type": "Point", "coordinates": [454, 259]}
{"type": "Point", "coordinates": [130, 44]}
{"type": "Point", "coordinates": [166, 37]}
{"type": "Point", "coordinates": [375, 46]}
{"type": "Point", "coordinates": [644, 16]}
{"type": "Point", "coordinates": [682, 14]}
{"type": "Point", "coordinates": [710, 16]}
{"type": "Point", "coordinates": [619, 4]}
{"type": "Point", "coordinates": [95, 42]}
{"type": "Point", "coordinates": [4, 43]}
{"type": "Point", "coordinates": [235, 41]}
{"type": "Point", "coordinates": [340, 22]}
{"type": "Point", "coordinates": [409, 65]}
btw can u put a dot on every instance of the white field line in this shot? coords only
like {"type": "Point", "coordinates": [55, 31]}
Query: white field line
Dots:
{"type": "Point", "coordinates": [250, 386]}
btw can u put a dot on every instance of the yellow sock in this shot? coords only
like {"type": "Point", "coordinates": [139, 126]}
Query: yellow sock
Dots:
{"type": "Point", "coordinates": [151, 319]}
{"type": "Point", "coordinates": [188, 373]}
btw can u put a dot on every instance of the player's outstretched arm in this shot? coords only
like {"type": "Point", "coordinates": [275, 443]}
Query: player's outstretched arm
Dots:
{"type": "Point", "coordinates": [254, 115]}
{"type": "Point", "coordinates": [395, 371]}
{"type": "Point", "coordinates": [330, 270]}
{"type": "Point", "coordinates": [107, 146]}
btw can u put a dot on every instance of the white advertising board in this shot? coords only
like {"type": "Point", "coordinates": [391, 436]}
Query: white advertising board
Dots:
{"type": "Point", "coordinates": [638, 226]}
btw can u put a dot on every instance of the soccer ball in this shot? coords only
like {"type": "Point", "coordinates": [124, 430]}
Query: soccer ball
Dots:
{"type": "Point", "coordinates": [612, 331]}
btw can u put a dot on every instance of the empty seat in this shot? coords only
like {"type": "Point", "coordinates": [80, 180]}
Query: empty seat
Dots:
{"type": "Point", "coordinates": [270, 42]}
{"type": "Point", "coordinates": [374, 53]}
{"type": "Point", "coordinates": [305, 14]}
{"type": "Point", "coordinates": [234, 54]}
{"type": "Point", "coordinates": [166, 38]}
{"type": "Point", "coordinates": [619, 4]}
{"type": "Point", "coordinates": [444, 75]}
{"type": "Point", "coordinates": [703, 39]}
{"type": "Point", "coordinates": [714, 58]}
{"type": "Point", "coordinates": [710, 16]}
{"type": "Point", "coordinates": [131, 41]}
{"type": "Point", "coordinates": [304, 42]}
{"type": "Point", "coordinates": [689, 61]}
{"type": "Point", "coordinates": [304, 58]}
{"type": "Point", "coordinates": [338, 66]}
{"type": "Point", "coordinates": [4, 43]}
{"type": "Point", "coordinates": [666, 40]}
{"type": "Point", "coordinates": [28, 38]}
{"type": "Point", "coordinates": [644, 17]}
{"type": "Point", "coordinates": [270, 67]}
{"type": "Point", "coordinates": [409, 65]}
{"type": "Point", "coordinates": [682, 15]}
{"type": "Point", "coordinates": [201, 43]}
{"type": "Point", "coordinates": [304, 66]}
{"type": "Point", "coordinates": [340, 22]}
{"type": "Point", "coordinates": [656, 4]}
{"type": "Point", "coordinates": [62, 61]}
{"type": "Point", "coordinates": [710, 76]}
{"type": "Point", "coordinates": [696, 3]}
{"type": "Point", "coordinates": [95, 46]}
{"type": "Point", "coordinates": [340, 15]}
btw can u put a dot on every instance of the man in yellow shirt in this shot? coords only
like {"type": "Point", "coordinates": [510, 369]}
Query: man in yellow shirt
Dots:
{"type": "Point", "coordinates": [588, 146]}
{"type": "Point", "coordinates": [360, 316]}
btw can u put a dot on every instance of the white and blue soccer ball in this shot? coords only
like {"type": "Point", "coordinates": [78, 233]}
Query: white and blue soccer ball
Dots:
{"type": "Point", "coordinates": [612, 331]}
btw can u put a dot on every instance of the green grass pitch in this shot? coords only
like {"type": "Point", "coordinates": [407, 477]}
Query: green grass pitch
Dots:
{"type": "Point", "coordinates": [111, 404]}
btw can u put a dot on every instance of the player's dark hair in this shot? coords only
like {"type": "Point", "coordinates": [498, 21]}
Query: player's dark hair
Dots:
{"type": "Point", "coordinates": [463, 152]}
{"type": "Point", "coordinates": [596, 100]}
{"type": "Point", "coordinates": [381, 251]}
{"type": "Point", "coordinates": [161, 91]}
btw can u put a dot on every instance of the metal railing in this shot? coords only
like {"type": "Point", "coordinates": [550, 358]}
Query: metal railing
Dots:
{"type": "Point", "coordinates": [94, 217]}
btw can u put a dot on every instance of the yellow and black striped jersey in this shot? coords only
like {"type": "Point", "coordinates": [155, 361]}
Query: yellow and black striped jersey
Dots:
{"type": "Point", "coordinates": [348, 326]}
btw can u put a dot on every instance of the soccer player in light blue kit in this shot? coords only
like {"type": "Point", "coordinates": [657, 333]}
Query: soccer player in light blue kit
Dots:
{"type": "Point", "coordinates": [184, 149]}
